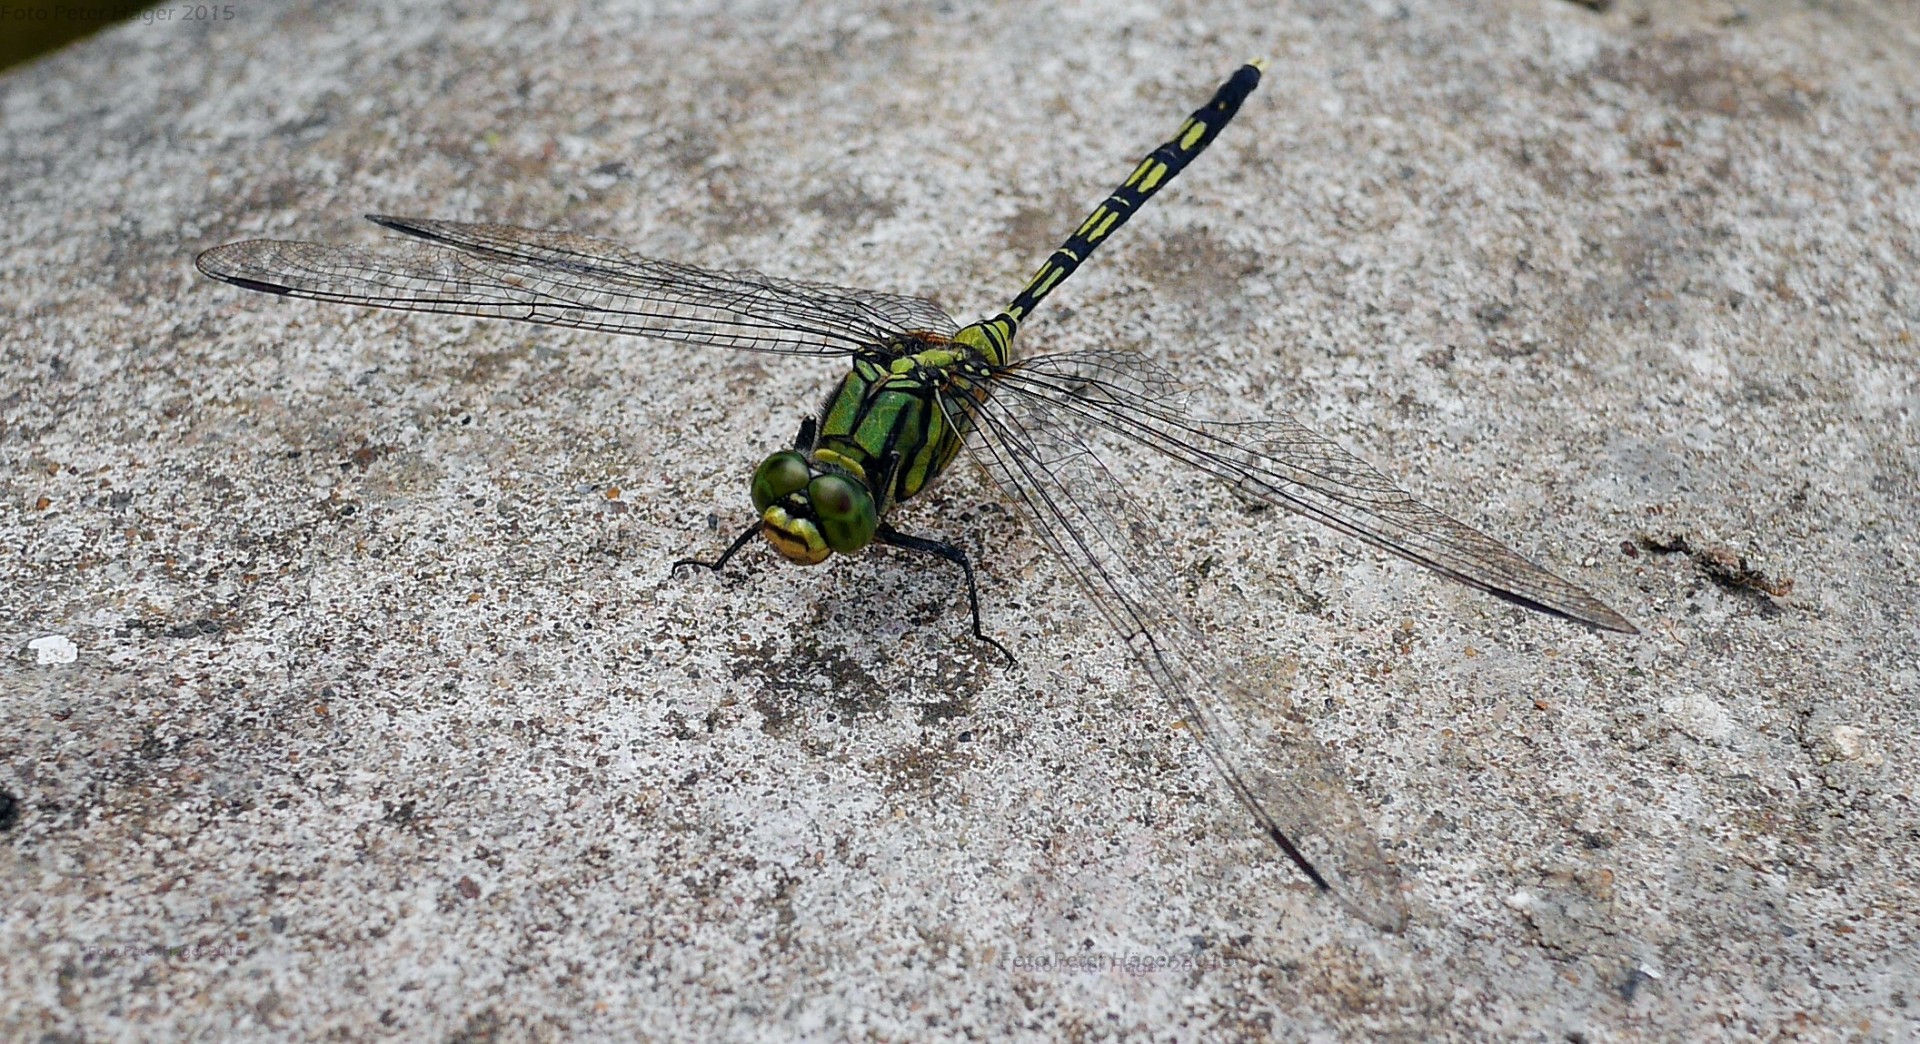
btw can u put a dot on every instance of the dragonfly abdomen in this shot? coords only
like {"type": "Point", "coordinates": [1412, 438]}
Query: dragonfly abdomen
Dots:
{"type": "Point", "coordinates": [1149, 177]}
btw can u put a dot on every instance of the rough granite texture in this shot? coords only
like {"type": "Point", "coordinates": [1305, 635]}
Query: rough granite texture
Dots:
{"type": "Point", "coordinates": [347, 693]}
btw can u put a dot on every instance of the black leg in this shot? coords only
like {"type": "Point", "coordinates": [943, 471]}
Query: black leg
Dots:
{"type": "Point", "coordinates": [721, 563]}
{"type": "Point", "coordinates": [892, 537]}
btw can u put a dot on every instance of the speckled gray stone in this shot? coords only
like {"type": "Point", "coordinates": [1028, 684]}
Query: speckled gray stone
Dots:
{"type": "Point", "coordinates": [347, 694]}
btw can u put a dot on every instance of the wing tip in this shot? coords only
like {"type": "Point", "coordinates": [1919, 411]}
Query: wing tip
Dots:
{"type": "Point", "coordinates": [213, 263]}
{"type": "Point", "coordinates": [1570, 604]}
{"type": "Point", "coordinates": [1617, 624]}
{"type": "Point", "coordinates": [1381, 908]}
{"type": "Point", "coordinates": [1596, 614]}
{"type": "Point", "coordinates": [1389, 915]}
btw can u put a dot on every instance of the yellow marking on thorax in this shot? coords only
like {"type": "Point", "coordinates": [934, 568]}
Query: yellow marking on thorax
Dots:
{"type": "Point", "coordinates": [937, 357]}
{"type": "Point", "coordinates": [827, 456]}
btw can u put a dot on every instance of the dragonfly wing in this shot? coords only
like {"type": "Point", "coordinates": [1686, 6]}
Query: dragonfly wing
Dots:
{"type": "Point", "coordinates": [1247, 728]}
{"type": "Point", "coordinates": [1285, 463]}
{"type": "Point", "coordinates": [565, 279]}
{"type": "Point", "coordinates": [907, 313]}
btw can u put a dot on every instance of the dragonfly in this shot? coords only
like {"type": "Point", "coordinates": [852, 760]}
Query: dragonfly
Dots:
{"type": "Point", "coordinates": [919, 388]}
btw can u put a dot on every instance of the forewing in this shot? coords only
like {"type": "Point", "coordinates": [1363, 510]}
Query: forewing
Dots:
{"type": "Point", "coordinates": [915, 314]}
{"type": "Point", "coordinates": [565, 279]}
{"type": "Point", "coordinates": [1283, 462]}
{"type": "Point", "coordinates": [1247, 728]}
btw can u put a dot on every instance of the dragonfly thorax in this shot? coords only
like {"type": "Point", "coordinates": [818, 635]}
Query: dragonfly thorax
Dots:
{"type": "Point", "coordinates": [811, 508]}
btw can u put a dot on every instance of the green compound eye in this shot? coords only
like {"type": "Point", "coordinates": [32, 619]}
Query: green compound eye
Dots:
{"type": "Point", "coordinates": [844, 510]}
{"type": "Point", "coordinates": [779, 477]}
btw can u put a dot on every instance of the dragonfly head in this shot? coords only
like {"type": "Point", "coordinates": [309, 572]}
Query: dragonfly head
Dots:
{"type": "Point", "coordinates": [810, 512]}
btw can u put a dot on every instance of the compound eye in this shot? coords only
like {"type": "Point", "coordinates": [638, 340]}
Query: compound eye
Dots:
{"type": "Point", "coordinates": [844, 510]}
{"type": "Point", "coordinates": [779, 477]}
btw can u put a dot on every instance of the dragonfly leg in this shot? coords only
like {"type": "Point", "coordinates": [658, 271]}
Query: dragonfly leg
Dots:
{"type": "Point", "coordinates": [721, 563]}
{"type": "Point", "coordinates": [892, 537]}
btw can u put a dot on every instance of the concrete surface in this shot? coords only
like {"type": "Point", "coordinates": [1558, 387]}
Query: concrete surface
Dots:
{"type": "Point", "coordinates": [345, 697]}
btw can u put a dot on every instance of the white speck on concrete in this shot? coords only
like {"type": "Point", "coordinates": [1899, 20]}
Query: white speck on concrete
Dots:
{"type": "Point", "coordinates": [54, 649]}
{"type": "Point", "coordinates": [1853, 743]}
{"type": "Point", "coordinates": [1701, 717]}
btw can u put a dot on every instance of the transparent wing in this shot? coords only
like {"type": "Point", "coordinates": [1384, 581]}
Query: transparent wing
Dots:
{"type": "Point", "coordinates": [1247, 728]}
{"type": "Point", "coordinates": [914, 314]}
{"type": "Point", "coordinates": [563, 279]}
{"type": "Point", "coordinates": [1282, 462]}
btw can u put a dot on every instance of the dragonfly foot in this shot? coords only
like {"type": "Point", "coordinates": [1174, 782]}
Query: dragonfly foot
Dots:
{"type": "Point", "coordinates": [892, 537]}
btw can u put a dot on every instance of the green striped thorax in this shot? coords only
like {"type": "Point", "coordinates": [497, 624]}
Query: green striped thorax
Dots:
{"type": "Point", "coordinates": [889, 428]}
